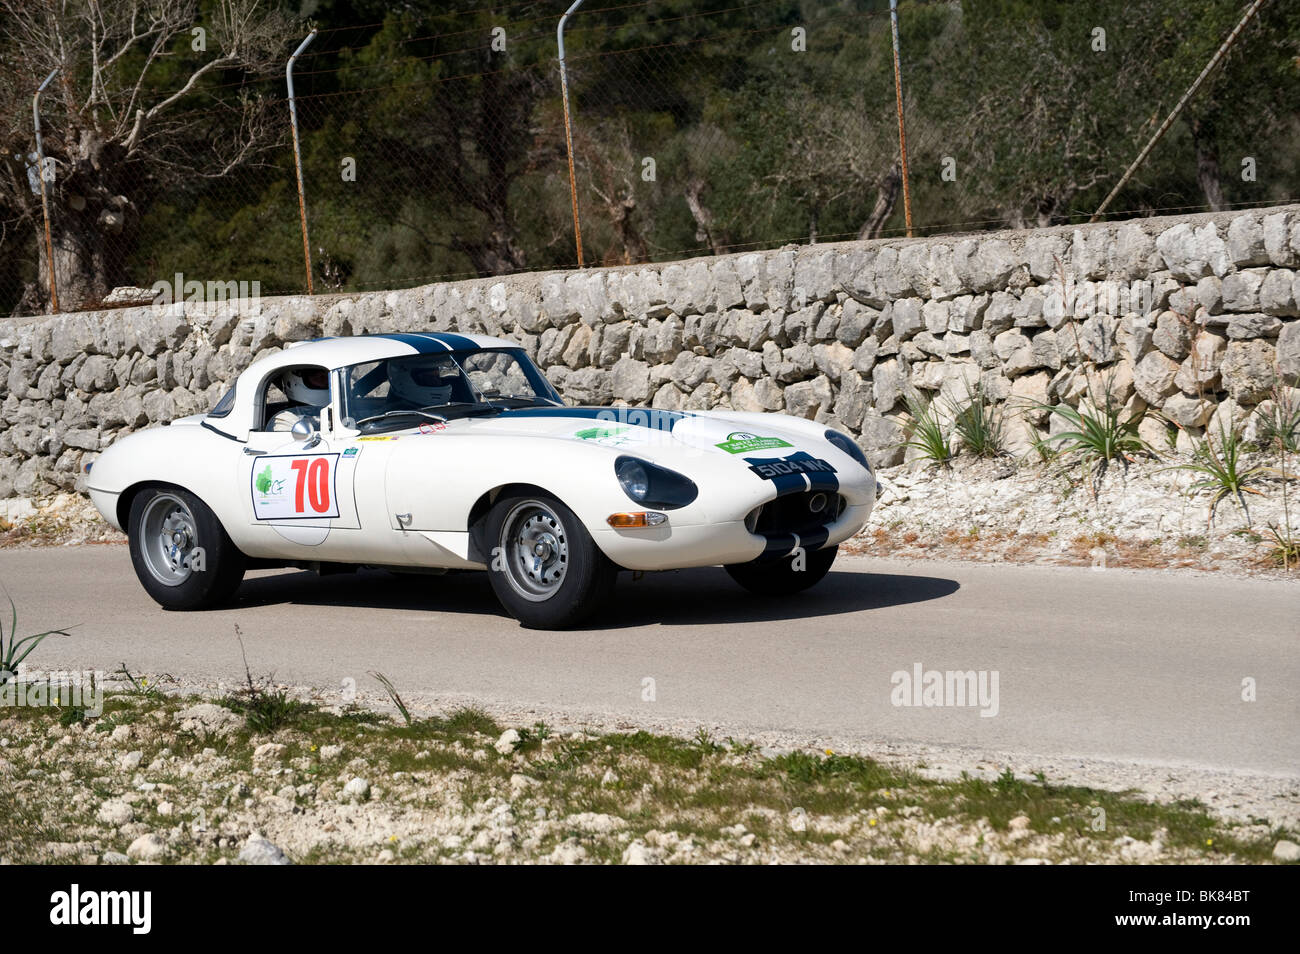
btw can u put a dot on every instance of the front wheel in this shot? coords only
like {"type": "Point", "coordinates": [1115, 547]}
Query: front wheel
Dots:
{"type": "Point", "coordinates": [181, 553]}
{"type": "Point", "coordinates": [544, 566]}
{"type": "Point", "coordinates": [785, 576]}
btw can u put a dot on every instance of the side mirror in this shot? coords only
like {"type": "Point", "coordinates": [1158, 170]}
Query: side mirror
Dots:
{"type": "Point", "coordinates": [303, 430]}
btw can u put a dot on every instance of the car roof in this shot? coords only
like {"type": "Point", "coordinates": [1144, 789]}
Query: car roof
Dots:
{"type": "Point", "coordinates": [335, 353]}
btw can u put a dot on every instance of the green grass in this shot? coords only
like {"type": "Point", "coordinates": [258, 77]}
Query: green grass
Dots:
{"type": "Point", "coordinates": [1222, 472]}
{"type": "Point", "coordinates": [697, 787]}
{"type": "Point", "coordinates": [978, 423]}
{"type": "Point", "coordinates": [1097, 437]}
{"type": "Point", "coordinates": [1279, 425]}
{"type": "Point", "coordinates": [926, 433]}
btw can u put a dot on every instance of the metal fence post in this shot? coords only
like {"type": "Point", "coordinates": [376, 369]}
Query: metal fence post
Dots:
{"type": "Point", "coordinates": [898, 98]}
{"type": "Point", "coordinates": [45, 202]}
{"type": "Point", "coordinates": [297, 156]}
{"type": "Point", "coordinates": [568, 127]}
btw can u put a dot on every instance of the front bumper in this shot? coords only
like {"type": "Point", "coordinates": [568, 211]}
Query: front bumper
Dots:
{"type": "Point", "coordinates": [670, 547]}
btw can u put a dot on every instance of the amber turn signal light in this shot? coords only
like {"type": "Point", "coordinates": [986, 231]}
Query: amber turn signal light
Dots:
{"type": "Point", "coordinates": [641, 518]}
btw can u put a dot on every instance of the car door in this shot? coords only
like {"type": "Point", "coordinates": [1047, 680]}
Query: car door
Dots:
{"type": "Point", "coordinates": [300, 491]}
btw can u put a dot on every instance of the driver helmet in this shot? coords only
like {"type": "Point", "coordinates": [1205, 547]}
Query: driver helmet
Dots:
{"type": "Point", "coordinates": [306, 386]}
{"type": "Point", "coordinates": [420, 382]}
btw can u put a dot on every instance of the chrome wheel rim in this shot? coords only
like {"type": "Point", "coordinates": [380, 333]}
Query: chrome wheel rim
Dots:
{"type": "Point", "coordinates": [168, 535]}
{"type": "Point", "coordinates": [535, 547]}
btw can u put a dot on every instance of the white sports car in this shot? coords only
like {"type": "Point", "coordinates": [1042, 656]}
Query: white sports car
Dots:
{"type": "Point", "coordinates": [436, 452]}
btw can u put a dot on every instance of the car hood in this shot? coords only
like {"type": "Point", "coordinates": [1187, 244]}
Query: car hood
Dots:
{"type": "Point", "coordinates": [660, 435]}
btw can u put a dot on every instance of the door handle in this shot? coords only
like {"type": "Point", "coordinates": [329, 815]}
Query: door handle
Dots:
{"type": "Point", "coordinates": [253, 453]}
{"type": "Point", "coordinates": [403, 519]}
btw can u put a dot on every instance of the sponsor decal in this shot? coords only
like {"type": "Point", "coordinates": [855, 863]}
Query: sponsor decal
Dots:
{"type": "Point", "coordinates": [432, 427]}
{"type": "Point", "coordinates": [352, 452]}
{"type": "Point", "coordinates": [294, 487]}
{"type": "Point", "coordinates": [740, 442]}
{"type": "Point", "coordinates": [609, 436]}
{"type": "Point", "coordinates": [380, 437]}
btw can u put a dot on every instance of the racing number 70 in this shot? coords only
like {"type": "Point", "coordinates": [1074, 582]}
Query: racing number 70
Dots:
{"type": "Point", "coordinates": [314, 478]}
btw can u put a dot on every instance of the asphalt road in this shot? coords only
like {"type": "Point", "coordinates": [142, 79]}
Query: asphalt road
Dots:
{"type": "Point", "coordinates": [1134, 665]}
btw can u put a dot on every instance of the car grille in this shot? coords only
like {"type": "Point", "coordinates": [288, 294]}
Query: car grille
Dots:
{"type": "Point", "coordinates": [800, 513]}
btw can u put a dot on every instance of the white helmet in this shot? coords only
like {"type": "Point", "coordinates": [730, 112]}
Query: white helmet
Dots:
{"type": "Point", "coordinates": [420, 381]}
{"type": "Point", "coordinates": [297, 390]}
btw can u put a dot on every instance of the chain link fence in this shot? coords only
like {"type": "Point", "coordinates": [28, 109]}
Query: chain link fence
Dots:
{"type": "Point", "coordinates": [433, 145]}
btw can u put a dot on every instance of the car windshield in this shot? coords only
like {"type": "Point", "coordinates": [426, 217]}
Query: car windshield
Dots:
{"type": "Point", "coordinates": [400, 392]}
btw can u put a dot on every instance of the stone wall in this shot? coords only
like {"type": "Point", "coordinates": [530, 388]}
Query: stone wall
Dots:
{"type": "Point", "coordinates": [1190, 316]}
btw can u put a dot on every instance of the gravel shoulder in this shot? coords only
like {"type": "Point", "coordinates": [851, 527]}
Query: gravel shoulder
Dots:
{"type": "Point", "coordinates": [266, 776]}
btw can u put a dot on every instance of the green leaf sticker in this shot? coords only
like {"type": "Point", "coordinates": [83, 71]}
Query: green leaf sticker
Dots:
{"type": "Point", "coordinates": [263, 481]}
{"type": "Point", "coordinates": [596, 433]}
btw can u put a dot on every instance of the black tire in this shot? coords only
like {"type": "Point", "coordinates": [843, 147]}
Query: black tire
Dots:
{"type": "Point", "coordinates": [566, 584]}
{"type": "Point", "coordinates": [779, 577]}
{"type": "Point", "coordinates": [174, 575]}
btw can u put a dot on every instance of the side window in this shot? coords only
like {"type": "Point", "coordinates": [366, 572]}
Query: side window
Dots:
{"type": "Point", "coordinates": [273, 402]}
{"type": "Point", "coordinates": [290, 394]}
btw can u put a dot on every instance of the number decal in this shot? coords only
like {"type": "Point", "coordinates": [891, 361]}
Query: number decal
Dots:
{"type": "Point", "coordinates": [300, 468]}
{"type": "Point", "coordinates": [295, 487]}
{"type": "Point", "coordinates": [318, 490]}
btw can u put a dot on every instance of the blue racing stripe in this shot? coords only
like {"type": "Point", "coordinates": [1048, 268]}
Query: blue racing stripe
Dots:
{"type": "Point", "coordinates": [432, 342]}
{"type": "Point", "coordinates": [818, 480]}
{"type": "Point", "coordinates": [421, 343]}
{"type": "Point", "coordinates": [453, 341]}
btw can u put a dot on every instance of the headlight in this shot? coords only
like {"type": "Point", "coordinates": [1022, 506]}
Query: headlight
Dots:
{"type": "Point", "coordinates": [654, 486]}
{"type": "Point", "coordinates": [849, 446]}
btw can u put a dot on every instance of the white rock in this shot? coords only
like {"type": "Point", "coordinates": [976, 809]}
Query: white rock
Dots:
{"type": "Point", "coordinates": [258, 851]}
{"type": "Point", "coordinates": [638, 853]}
{"type": "Point", "coordinates": [521, 783]}
{"type": "Point", "coordinates": [116, 812]}
{"type": "Point", "coordinates": [268, 752]}
{"type": "Point", "coordinates": [506, 744]}
{"type": "Point", "coordinates": [1286, 851]}
{"type": "Point", "coordinates": [357, 788]}
{"type": "Point", "coordinates": [150, 847]}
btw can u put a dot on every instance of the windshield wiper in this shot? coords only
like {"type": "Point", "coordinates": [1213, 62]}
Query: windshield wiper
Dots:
{"type": "Point", "coordinates": [404, 412]}
{"type": "Point", "coordinates": [525, 400]}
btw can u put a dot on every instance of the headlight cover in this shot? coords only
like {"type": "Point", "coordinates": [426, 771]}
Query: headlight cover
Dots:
{"type": "Point", "coordinates": [849, 446]}
{"type": "Point", "coordinates": [653, 486]}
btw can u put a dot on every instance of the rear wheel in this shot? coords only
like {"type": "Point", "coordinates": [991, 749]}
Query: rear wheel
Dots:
{"type": "Point", "coordinates": [544, 566]}
{"type": "Point", "coordinates": [180, 551]}
{"type": "Point", "coordinates": [785, 576]}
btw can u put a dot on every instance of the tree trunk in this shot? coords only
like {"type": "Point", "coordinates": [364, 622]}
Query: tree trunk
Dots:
{"type": "Point", "coordinates": [886, 197]}
{"type": "Point", "coordinates": [80, 265]}
{"type": "Point", "coordinates": [1208, 173]}
{"type": "Point", "coordinates": [705, 230]}
{"type": "Point", "coordinates": [496, 255]}
{"type": "Point", "coordinates": [90, 223]}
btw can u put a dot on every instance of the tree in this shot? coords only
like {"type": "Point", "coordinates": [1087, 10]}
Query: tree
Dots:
{"type": "Point", "coordinates": [121, 124]}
